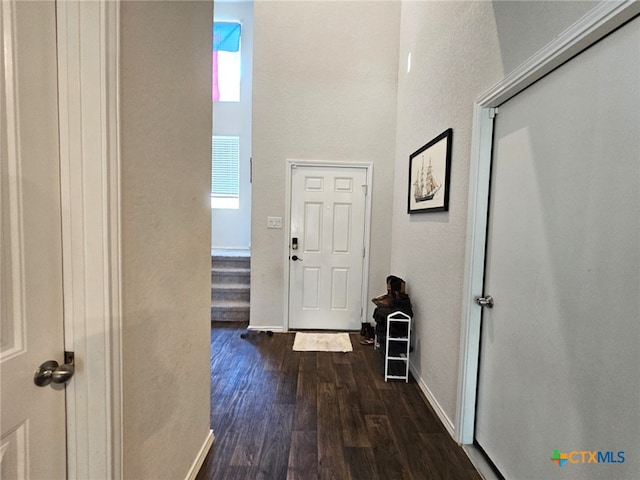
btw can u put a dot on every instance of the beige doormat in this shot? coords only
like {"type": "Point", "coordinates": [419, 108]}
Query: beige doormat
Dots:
{"type": "Point", "coordinates": [322, 342]}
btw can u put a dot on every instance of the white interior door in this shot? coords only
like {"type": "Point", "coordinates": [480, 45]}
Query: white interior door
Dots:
{"type": "Point", "coordinates": [328, 225]}
{"type": "Point", "coordinates": [32, 418]}
{"type": "Point", "coordinates": [560, 348]}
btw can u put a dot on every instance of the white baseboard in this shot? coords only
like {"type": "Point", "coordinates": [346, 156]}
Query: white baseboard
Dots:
{"type": "Point", "coordinates": [231, 250]}
{"type": "Point", "coordinates": [446, 421]}
{"type": "Point", "coordinates": [199, 460]}
{"type": "Point", "coordinates": [261, 328]}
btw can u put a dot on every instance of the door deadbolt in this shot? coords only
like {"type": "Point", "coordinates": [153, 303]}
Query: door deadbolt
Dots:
{"type": "Point", "coordinates": [51, 372]}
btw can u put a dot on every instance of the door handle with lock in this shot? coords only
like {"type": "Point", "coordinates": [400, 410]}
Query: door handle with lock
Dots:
{"type": "Point", "coordinates": [296, 258]}
{"type": "Point", "coordinates": [50, 371]}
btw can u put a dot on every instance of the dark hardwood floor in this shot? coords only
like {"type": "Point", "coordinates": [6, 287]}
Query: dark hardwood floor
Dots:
{"type": "Point", "coordinates": [279, 414]}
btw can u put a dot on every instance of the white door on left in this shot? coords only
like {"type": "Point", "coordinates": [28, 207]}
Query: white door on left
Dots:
{"type": "Point", "coordinates": [32, 419]}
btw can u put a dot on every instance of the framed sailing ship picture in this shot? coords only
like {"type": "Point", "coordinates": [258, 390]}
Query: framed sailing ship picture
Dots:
{"type": "Point", "coordinates": [429, 172]}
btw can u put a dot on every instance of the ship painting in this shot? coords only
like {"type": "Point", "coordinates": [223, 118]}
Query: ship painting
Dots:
{"type": "Point", "coordinates": [426, 185]}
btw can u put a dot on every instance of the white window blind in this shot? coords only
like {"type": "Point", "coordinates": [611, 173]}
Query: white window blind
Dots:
{"type": "Point", "coordinates": [225, 171]}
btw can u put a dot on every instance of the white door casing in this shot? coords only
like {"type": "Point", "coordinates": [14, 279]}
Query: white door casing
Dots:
{"type": "Point", "coordinates": [88, 80]}
{"type": "Point", "coordinates": [32, 417]}
{"type": "Point", "coordinates": [328, 217]}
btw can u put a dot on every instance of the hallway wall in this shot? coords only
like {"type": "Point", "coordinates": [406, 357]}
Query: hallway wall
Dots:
{"type": "Point", "coordinates": [165, 108]}
{"type": "Point", "coordinates": [458, 50]}
{"type": "Point", "coordinates": [324, 88]}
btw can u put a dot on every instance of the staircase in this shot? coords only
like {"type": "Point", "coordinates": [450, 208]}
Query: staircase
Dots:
{"type": "Point", "coordinates": [230, 288]}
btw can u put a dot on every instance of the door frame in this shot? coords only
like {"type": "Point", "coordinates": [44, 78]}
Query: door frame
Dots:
{"type": "Point", "coordinates": [290, 165]}
{"type": "Point", "coordinates": [603, 19]}
{"type": "Point", "coordinates": [88, 90]}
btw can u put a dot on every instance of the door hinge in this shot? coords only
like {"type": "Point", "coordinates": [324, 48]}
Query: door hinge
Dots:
{"type": "Point", "coordinates": [364, 252]}
{"type": "Point", "coordinates": [493, 112]}
{"type": "Point", "coordinates": [365, 190]}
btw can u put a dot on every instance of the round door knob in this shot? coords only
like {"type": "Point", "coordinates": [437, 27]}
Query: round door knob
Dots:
{"type": "Point", "coordinates": [62, 373]}
{"type": "Point", "coordinates": [44, 373]}
{"type": "Point", "coordinates": [50, 371]}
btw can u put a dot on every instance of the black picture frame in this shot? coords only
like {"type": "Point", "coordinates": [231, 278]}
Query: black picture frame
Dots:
{"type": "Point", "coordinates": [430, 175]}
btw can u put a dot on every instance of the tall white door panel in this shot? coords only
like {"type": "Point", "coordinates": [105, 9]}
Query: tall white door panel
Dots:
{"type": "Point", "coordinates": [560, 349]}
{"type": "Point", "coordinates": [327, 227]}
{"type": "Point", "coordinates": [32, 419]}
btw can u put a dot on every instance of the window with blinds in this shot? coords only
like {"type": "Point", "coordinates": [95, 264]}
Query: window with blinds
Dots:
{"type": "Point", "coordinates": [225, 172]}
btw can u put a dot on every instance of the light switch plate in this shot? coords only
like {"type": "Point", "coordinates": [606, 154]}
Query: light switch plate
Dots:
{"type": "Point", "coordinates": [274, 222]}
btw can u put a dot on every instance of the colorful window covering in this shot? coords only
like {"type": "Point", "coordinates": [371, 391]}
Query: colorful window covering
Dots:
{"type": "Point", "coordinates": [226, 38]}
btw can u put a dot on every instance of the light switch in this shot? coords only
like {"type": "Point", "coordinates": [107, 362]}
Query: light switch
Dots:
{"type": "Point", "coordinates": [274, 222]}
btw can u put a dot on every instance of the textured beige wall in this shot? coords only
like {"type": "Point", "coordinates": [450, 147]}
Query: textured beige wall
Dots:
{"type": "Point", "coordinates": [459, 50]}
{"type": "Point", "coordinates": [166, 148]}
{"type": "Point", "coordinates": [324, 88]}
{"type": "Point", "coordinates": [455, 56]}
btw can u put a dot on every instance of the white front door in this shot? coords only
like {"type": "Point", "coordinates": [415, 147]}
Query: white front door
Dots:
{"type": "Point", "coordinates": [558, 387]}
{"type": "Point", "coordinates": [328, 206]}
{"type": "Point", "coordinates": [32, 419]}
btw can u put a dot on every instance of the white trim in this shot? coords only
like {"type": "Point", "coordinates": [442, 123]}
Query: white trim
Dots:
{"type": "Point", "coordinates": [481, 144]}
{"type": "Point", "coordinates": [112, 126]}
{"type": "Point", "coordinates": [595, 25]}
{"type": "Point", "coordinates": [192, 473]}
{"type": "Point", "coordinates": [285, 246]}
{"type": "Point", "coordinates": [603, 19]}
{"type": "Point", "coordinates": [437, 408]}
{"type": "Point", "coordinates": [88, 59]}
{"type": "Point", "coordinates": [261, 328]}
{"type": "Point", "coordinates": [231, 251]}
{"type": "Point", "coordinates": [368, 166]}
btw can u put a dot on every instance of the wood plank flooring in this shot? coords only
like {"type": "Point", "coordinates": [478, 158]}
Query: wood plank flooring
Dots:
{"type": "Point", "coordinates": [278, 414]}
